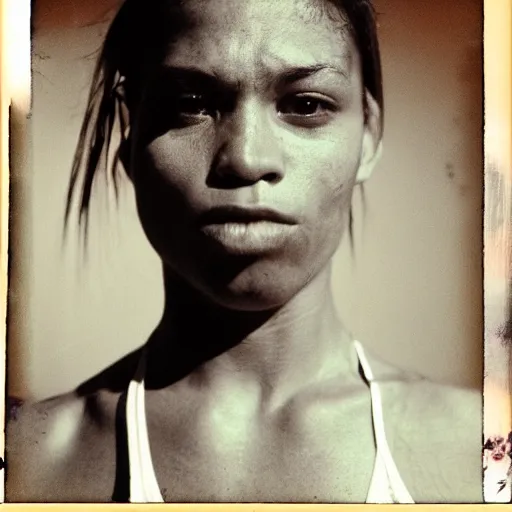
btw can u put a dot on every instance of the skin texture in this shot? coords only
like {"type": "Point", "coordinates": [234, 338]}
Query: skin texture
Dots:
{"type": "Point", "coordinates": [253, 393]}
{"type": "Point", "coordinates": [306, 451]}
{"type": "Point", "coordinates": [255, 154]}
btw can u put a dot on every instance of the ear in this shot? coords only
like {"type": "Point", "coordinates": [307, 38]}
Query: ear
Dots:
{"type": "Point", "coordinates": [371, 148]}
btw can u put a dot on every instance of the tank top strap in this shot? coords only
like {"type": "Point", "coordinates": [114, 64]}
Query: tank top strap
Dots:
{"type": "Point", "coordinates": [386, 485]}
{"type": "Point", "coordinates": [143, 483]}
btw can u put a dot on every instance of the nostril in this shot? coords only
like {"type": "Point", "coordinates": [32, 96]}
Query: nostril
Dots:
{"type": "Point", "coordinates": [271, 177]}
{"type": "Point", "coordinates": [232, 171]}
{"type": "Point", "coordinates": [227, 181]}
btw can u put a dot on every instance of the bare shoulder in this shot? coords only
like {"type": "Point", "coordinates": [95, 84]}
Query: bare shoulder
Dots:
{"type": "Point", "coordinates": [65, 449]}
{"type": "Point", "coordinates": [435, 435]}
{"type": "Point", "coordinates": [437, 439]}
{"type": "Point", "coordinates": [36, 446]}
{"type": "Point", "coordinates": [62, 450]}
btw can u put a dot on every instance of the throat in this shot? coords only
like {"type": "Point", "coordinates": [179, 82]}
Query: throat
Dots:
{"type": "Point", "coordinates": [276, 353]}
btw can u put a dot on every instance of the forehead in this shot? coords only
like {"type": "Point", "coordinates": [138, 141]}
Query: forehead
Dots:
{"type": "Point", "coordinates": [262, 33]}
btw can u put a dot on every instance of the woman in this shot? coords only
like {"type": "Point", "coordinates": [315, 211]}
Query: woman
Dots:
{"type": "Point", "coordinates": [245, 127]}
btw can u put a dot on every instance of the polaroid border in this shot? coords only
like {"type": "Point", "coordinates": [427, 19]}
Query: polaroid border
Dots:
{"type": "Point", "coordinates": [109, 507]}
{"type": "Point", "coordinates": [5, 102]}
{"type": "Point", "coordinates": [15, 107]}
{"type": "Point", "coordinates": [497, 271]}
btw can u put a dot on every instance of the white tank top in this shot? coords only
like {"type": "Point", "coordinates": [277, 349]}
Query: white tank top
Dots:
{"type": "Point", "coordinates": [386, 485]}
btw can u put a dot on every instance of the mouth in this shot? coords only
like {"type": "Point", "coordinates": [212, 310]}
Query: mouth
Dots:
{"type": "Point", "coordinates": [244, 215]}
{"type": "Point", "coordinates": [247, 230]}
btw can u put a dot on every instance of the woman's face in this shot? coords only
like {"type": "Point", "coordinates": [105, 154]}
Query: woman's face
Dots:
{"type": "Point", "coordinates": [246, 146]}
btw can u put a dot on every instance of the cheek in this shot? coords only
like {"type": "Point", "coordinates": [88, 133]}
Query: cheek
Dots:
{"type": "Point", "coordinates": [332, 215]}
{"type": "Point", "coordinates": [331, 176]}
{"type": "Point", "coordinates": [166, 173]}
{"type": "Point", "coordinates": [327, 172]}
{"type": "Point", "coordinates": [178, 160]}
{"type": "Point", "coordinates": [169, 177]}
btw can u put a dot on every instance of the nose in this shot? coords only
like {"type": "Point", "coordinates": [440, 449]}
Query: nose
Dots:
{"type": "Point", "coordinates": [249, 149]}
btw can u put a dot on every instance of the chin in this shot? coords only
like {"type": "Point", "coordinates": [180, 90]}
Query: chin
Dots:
{"type": "Point", "coordinates": [253, 291]}
{"type": "Point", "coordinates": [244, 283]}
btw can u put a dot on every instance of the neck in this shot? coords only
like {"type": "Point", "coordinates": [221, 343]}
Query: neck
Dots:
{"type": "Point", "coordinates": [275, 351]}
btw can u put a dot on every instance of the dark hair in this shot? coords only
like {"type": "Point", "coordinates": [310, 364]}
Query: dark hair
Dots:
{"type": "Point", "coordinates": [134, 42]}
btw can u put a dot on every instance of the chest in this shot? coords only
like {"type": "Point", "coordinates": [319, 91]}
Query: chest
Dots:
{"type": "Point", "coordinates": [313, 452]}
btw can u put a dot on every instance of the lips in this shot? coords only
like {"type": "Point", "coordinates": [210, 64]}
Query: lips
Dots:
{"type": "Point", "coordinates": [244, 215]}
{"type": "Point", "coordinates": [247, 230]}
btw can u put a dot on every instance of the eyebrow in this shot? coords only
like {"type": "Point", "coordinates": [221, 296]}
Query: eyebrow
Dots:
{"type": "Point", "coordinates": [300, 73]}
{"type": "Point", "coordinates": [187, 74]}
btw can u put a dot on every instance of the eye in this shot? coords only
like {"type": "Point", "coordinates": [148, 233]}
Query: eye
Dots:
{"type": "Point", "coordinates": [195, 105]}
{"type": "Point", "coordinates": [306, 109]}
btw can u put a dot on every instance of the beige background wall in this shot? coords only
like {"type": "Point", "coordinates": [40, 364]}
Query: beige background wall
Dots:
{"type": "Point", "coordinates": [412, 291]}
